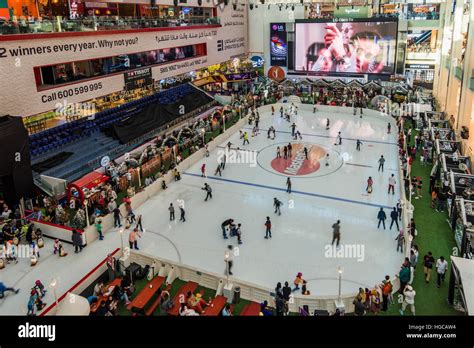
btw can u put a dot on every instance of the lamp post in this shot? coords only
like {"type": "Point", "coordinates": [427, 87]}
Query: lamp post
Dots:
{"type": "Point", "coordinates": [203, 133]}
{"type": "Point", "coordinates": [226, 259]}
{"type": "Point", "coordinates": [121, 239]}
{"type": "Point", "coordinates": [139, 179]}
{"type": "Point", "coordinates": [86, 202]}
{"type": "Point", "coordinates": [339, 271]}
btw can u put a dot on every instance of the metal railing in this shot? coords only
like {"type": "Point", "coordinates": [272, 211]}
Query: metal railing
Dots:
{"type": "Point", "coordinates": [58, 25]}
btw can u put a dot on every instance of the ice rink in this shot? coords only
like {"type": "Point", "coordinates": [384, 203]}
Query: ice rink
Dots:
{"type": "Point", "coordinates": [301, 235]}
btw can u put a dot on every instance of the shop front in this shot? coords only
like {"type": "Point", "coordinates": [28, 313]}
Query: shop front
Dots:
{"type": "Point", "coordinates": [420, 74]}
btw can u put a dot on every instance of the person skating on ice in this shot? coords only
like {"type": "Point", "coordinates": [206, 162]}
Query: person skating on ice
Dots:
{"type": "Point", "coordinates": [327, 124]}
{"type": "Point", "coordinates": [389, 128]}
{"type": "Point", "coordinates": [229, 260]}
{"type": "Point", "coordinates": [298, 135]}
{"type": "Point", "coordinates": [218, 170]}
{"type": "Point", "coordinates": [358, 144]}
{"type": "Point", "coordinates": [246, 138]}
{"type": "Point", "coordinates": [400, 240]}
{"type": "Point", "coordinates": [338, 139]}
{"type": "Point", "coordinates": [208, 190]}
{"type": "Point", "coordinates": [278, 155]}
{"type": "Point", "coordinates": [285, 152]}
{"type": "Point", "coordinates": [381, 216]}
{"type": "Point", "coordinates": [305, 150]}
{"type": "Point", "coordinates": [223, 162]}
{"type": "Point", "coordinates": [394, 217]}
{"type": "Point", "coordinates": [281, 111]}
{"type": "Point", "coordinates": [182, 214]}
{"type": "Point", "coordinates": [238, 233]}
{"type": "Point", "coordinates": [336, 233]}
{"type": "Point", "coordinates": [277, 204]}
{"type": "Point", "coordinates": [229, 144]}
{"type": "Point", "coordinates": [391, 184]}
{"type": "Point", "coordinates": [203, 170]}
{"type": "Point", "coordinates": [293, 128]}
{"type": "Point", "coordinates": [268, 228]}
{"type": "Point", "coordinates": [381, 162]}
{"type": "Point", "coordinates": [288, 185]}
{"type": "Point", "coordinates": [370, 184]}
{"type": "Point", "coordinates": [224, 226]}
{"type": "Point", "coordinates": [289, 149]}
{"type": "Point", "coordinates": [171, 210]}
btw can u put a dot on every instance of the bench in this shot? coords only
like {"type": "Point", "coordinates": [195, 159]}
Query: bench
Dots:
{"type": "Point", "coordinates": [218, 303]}
{"type": "Point", "coordinates": [252, 309]}
{"type": "Point", "coordinates": [156, 303]}
{"type": "Point", "coordinates": [145, 295]}
{"type": "Point", "coordinates": [181, 295]}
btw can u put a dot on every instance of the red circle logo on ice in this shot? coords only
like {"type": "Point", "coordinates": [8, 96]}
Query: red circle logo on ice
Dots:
{"type": "Point", "coordinates": [297, 164]}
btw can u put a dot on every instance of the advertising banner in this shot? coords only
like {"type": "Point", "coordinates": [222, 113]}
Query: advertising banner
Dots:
{"type": "Point", "coordinates": [278, 45]}
{"type": "Point", "coordinates": [138, 78]}
{"type": "Point", "coordinates": [351, 12]}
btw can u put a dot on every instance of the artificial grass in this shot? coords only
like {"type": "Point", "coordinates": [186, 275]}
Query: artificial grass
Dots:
{"type": "Point", "coordinates": [435, 235]}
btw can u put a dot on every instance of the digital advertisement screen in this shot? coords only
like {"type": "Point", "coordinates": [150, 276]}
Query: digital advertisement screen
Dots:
{"type": "Point", "coordinates": [353, 47]}
{"type": "Point", "coordinates": [278, 44]}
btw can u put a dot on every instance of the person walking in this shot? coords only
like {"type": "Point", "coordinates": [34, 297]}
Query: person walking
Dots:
{"type": "Point", "coordinates": [268, 228]}
{"type": "Point", "coordinates": [382, 217]}
{"type": "Point", "coordinates": [381, 162]}
{"type": "Point", "coordinates": [224, 225]}
{"type": "Point", "coordinates": [336, 233]}
{"type": "Point", "coordinates": [203, 170]}
{"type": "Point", "coordinates": [117, 216]}
{"type": "Point", "coordinates": [288, 185]}
{"type": "Point", "coordinates": [182, 214]}
{"type": "Point", "coordinates": [394, 217]}
{"type": "Point", "coordinates": [358, 144]}
{"type": "Point", "coordinates": [391, 184]}
{"type": "Point", "coordinates": [223, 162]}
{"type": "Point", "coordinates": [77, 241]}
{"type": "Point", "coordinates": [277, 204]}
{"type": "Point", "coordinates": [428, 261]}
{"type": "Point", "coordinates": [208, 190]}
{"type": "Point", "coordinates": [289, 149]}
{"type": "Point", "coordinates": [132, 239]}
{"type": "Point", "coordinates": [338, 139]}
{"type": "Point", "coordinates": [305, 149]}
{"type": "Point", "coordinates": [171, 209]}
{"type": "Point", "coordinates": [285, 152]}
{"type": "Point", "coordinates": [386, 292]}
{"type": "Point", "coordinates": [441, 269]}
{"type": "Point", "coordinates": [229, 260]}
{"type": "Point", "coordinates": [293, 127]}
{"type": "Point", "coordinates": [399, 209]}
{"type": "Point", "coordinates": [218, 169]}
{"type": "Point", "coordinates": [98, 227]}
{"type": "Point", "coordinates": [327, 124]}
{"type": "Point", "coordinates": [409, 300]}
{"type": "Point", "coordinates": [400, 241]}
{"type": "Point", "coordinates": [278, 152]}
{"type": "Point", "coordinates": [389, 128]}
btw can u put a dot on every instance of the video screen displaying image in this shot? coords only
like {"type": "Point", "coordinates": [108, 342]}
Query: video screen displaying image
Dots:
{"type": "Point", "coordinates": [278, 44]}
{"type": "Point", "coordinates": [348, 47]}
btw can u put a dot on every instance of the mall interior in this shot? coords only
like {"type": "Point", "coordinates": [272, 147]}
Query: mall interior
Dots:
{"type": "Point", "coordinates": [111, 109]}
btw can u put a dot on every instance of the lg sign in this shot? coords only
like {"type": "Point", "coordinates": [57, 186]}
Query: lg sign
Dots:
{"type": "Point", "coordinates": [278, 27]}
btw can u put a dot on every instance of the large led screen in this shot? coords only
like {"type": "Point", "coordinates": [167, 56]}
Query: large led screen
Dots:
{"type": "Point", "coordinates": [356, 47]}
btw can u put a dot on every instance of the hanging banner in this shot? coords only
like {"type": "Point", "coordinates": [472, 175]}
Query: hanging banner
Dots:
{"type": "Point", "coordinates": [278, 45]}
{"type": "Point", "coordinates": [351, 12]}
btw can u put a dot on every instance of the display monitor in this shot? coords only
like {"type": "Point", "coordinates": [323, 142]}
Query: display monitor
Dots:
{"type": "Point", "coordinates": [359, 46]}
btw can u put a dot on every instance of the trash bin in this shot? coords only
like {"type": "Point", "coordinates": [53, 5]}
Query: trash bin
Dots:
{"type": "Point", "coordinates": [236, 295]}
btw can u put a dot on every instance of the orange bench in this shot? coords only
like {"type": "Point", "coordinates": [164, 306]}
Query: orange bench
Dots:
{"type": "Point", "coordinates": [145, 295]}
{"type": "Point", "coordinates": [181, 296]}
{"type": "Point", "coordinates": [252, 309]}
{"type": "Point", "coordinates": [156, 303]}
{"type": "Point", "coordinates": [217, 304]}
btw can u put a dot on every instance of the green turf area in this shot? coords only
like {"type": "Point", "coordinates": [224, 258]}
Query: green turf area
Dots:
{"type": "Point", "coordinates": [435, 235]}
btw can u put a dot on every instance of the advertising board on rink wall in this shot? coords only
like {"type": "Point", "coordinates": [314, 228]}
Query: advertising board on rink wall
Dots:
{"type": "Point", "coordinates": [18, 58]}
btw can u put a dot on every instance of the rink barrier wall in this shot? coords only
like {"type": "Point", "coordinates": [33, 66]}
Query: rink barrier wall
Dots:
{"type": "Point", "coordinates": [248, 291]}
{"type": "Point", "coordinates": [54, 231]}
{"type": "Point", "coordinates": [81, 285]}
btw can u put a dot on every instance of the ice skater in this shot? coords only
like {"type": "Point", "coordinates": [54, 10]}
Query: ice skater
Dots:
{"type": "Point", "coordinates": [277, 204]}
{"type": "Point", "coordinates": [281, 111]}
{"type": "Point", "coordinates": [223, 162]}
{"type": "Point", "coordinates": [268, 228]}
{"type": "Point", "coordinates": [285, 152]}
{"type": "Point", "coordinates": [289, 149]}
{"type": "Point", "coordinates": [327, 124]}
{"type": "Point", "coordinates": [246, 138]}
{"type": "Point", "coordinates": [389, 128]}
{"type": "Point", "coordinates": [224, 225]}
{"type": "Point", "coordinates": [382, 217]}
{"type": "Point", "coordinates": [358, 144]}
{"type": "Point", "coordinates": [4, 289]}
{"type": "Point", "coordinates": [288, 185]}
{"type": "Point", "coordinates": [400, 240]}
{"type": "Point", "coordinates": [336, 233]}
{"type": "Point", "coordinates": [208, 190]}
{"type": "Point", "coordinates": [238, 153]}
{"type": "Point", "coordinates": [338, 139]}
{"type": "Point", "coordinates": [278, 152]}
{"type": "Point", "coordinates": [182, 214]}
{"type": "Point", "coordinates": [381, 162]}
{"type": "Point", "coordinates": [229, 144]}
{"type": "Point", "coordinates": [305, 150]}
{"type": "Point", "coordinates": [394, 217]}
{"type": "Point", "coordinates": [293, 128]}
{"type": "Point", "coordinates": [298, 135]}
{"type": "Point", "coordinates": [314, 108]}
{"type": "Point", "coordinates": [238, 233]}
{"type": "Point", "coordinates": [171, 209]}
{"type": "Point", "coordinates": [218, 170]}
{"type": "Point", "coordinates": [203, 170]}
{"type": "Point", "coordinates": [229, 260]}
{"type": "Point", "coordinates": [370, 184]}
{"type": "Point", "coordinates": [391, 184]}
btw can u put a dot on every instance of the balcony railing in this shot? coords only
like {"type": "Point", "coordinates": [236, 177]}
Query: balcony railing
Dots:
{"type": "Point", "coordinates": [96, 24]}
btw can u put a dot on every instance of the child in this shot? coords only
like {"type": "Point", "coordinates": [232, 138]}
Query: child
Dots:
{"type": "Point", "coordinates": [56, 246]}
{"type": "Point", "coordinates": [163, 185]}
{"type": "Point", "coordinates": [304, 291]}
{"type": "Point", "coordinates": [298, 280]}
{"type": "Point", "coordinates": [370, 182]}
{"type": "Point", "coordinates": [61, 250]}
{"type": "Point", "coordinates": [39, 287]}
{"type": "Point", "coordinates": [98, 227]}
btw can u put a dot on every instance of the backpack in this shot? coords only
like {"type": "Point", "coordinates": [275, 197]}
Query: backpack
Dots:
{"type": "Point", "coordinates": [387, 288]}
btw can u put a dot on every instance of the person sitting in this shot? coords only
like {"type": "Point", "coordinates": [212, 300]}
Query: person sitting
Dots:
{"type": "Point", "coordinates": [177, 175]}
{"type": "Point", "coordinates": [196, 302]}
{"type": "Point", "coordinates": [187, 312]}
{"type": "Point", "coordinates": [226, 311]}
{"type": "Point", "coordinates": [163, 185]}
{"type": "Point", "coordinates": [265, 310]}
{"type": "Point", "coordinates": [166, 303]}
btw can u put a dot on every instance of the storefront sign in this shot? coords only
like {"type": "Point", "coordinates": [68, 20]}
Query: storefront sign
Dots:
{"type": "Point", "coordinates": [138, 78]}
{"type": "Point", "coordinates": [278, 44]}
{"type": "Point", "coordinates": [276, 73]}
{"type": "Point", "coordinates": [352, 12]}
{"type": "Point", "coordinates": [419, 66]}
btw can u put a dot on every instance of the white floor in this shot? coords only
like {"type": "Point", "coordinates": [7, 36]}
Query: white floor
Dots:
{"type": "Point", "coordinates": [245, 193]}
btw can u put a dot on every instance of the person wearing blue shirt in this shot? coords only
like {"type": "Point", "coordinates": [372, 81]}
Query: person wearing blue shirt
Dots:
{"type": "Point", "coordinates": [226, 311]}
{"type": "Point", "coordinates": [4, 289]}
